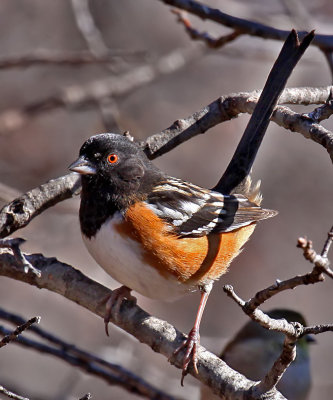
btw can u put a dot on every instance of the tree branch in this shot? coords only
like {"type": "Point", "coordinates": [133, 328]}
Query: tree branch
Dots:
{"type": "Point", "coordinates": [292, 330]}
{"type": "Point", "coordinates": [11, 336]}
{"type": "Point", "coordinates": [159, 335]}
{"type": "Point", "coordinates": [248, 27]}
{"type": "Point", "coordinates": [22, 210]}
{"type": "Point", "coordinates": [204, 36]}
{"type": "Point", "coordinates": [111, 373]}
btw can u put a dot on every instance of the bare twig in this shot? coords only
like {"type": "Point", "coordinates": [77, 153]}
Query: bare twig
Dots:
{"type": "Point", "coordinates": [88, 363]}
{"type": "Point", "coordinates": [74, 59]}
{"type": "Point", "coordinates": [11, 395]}
{"type": "Point", "coordinates": [11, 336]}
{"type": "Point", "coordinates": [89, 360]}
{"type": "Point", "coordinates": [293, 331]}
{"type": "Point", "coordinates": [204, 36]}
{"type": "Point", "coordinates": [157, 334]}
{"type": "Point", "coordinates": [246, 26]}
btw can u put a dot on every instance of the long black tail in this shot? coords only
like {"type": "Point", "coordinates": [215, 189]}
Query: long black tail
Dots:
{"type": "Point", "coordinates": [244, 156]}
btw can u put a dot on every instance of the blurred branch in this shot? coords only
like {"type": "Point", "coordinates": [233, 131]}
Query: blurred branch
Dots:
{"type": "Point", "coordinates": [11, 395]}
{"type": "Point", "coordinates": [64, 58]}
{"type": "Point", "coordinates": [111, 373]}
{"type": "Point", "coordinates": [203, 11]}
{"type": "Point", "coordinates": [94, 92]}
{"type": "Point", "coordinates": [159, 335]}
{"type": "Point", "coordinates": [204, 36]}
{"type": "Point", "coordinates": [88, 29]}
{"type": "Point", "coordinates": [292, 330]}
{"type": "Point", "coordinates": [298, 13]}
{"type": "Point", "coordinates": [11, 336]}
{"type": "Point", "coordinates": [97, 47]}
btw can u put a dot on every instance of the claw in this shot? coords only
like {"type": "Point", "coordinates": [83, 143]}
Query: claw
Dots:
{"type": "Point", "coordinates": [113, 302]}
{"type": "Point", "coordinates": [190, 346]}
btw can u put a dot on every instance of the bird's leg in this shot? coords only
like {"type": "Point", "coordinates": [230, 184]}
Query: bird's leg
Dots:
{"type": "Point", "coordinates": [192, 342]}
{"type": "Point", "coordinates": [113, 303]}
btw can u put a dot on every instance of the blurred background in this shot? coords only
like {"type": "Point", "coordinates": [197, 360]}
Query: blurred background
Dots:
{"type": "Point", "coordinates": [296, 173]}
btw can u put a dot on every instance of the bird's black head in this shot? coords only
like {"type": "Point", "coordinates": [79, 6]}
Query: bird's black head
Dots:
{"type": "Point", "coordinates": [115, 173]}
{"type": "Point", "coordinates": [113, 161]}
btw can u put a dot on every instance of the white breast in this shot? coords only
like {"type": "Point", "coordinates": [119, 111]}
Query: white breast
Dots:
{"type": "Point", "coordinates": [122, 258]}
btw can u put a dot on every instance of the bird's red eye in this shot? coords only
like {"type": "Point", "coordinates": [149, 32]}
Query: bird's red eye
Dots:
{"type": "Point", "coordinates": [112, 158]}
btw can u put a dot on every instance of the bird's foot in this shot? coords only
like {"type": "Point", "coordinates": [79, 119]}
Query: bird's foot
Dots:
{"type": "Point", "coordinates": [190, 346]}
{"type": "Point", "coordinates": [113, 303]}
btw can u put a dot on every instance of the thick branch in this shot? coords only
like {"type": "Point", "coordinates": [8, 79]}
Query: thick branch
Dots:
{"type": "Point", "coordinates": [158, 334]}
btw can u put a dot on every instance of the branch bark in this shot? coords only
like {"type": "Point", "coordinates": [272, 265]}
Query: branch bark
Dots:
{"type": "Point", "coordinates": [159, 335]}
{"type": "Point", "coordinates": [248, 27]}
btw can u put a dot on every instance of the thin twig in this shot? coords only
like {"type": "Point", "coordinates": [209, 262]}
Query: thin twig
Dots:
{"type": "Point", "coordinates": [11, 395]}
{"type": "Point", "coordinates": [118, 371]}
{"type": "Point", "coordinates": [246, 26]}
{"type": "Point", "coordinates": [204, 36]}
{"type": "Point", "coordinates": [128, 381]}
{"type": "Point", "coordinates": [11, 336]}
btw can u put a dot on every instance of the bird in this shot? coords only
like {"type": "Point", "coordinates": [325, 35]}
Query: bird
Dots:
{"type": "Point", "coordinates": [158, 235]}
{"type": "Point", "coordinates": [254, 349]}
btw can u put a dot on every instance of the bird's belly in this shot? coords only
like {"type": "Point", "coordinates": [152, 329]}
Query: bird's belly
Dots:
{"type": "Point", "coordinates": [123, 259]}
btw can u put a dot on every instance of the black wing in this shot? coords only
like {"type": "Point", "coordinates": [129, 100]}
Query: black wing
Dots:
{"type": "Point", "coordinates": [193, 211]}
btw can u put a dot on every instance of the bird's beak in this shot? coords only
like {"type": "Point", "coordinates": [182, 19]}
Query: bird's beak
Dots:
{"type": "Point", "coordinates": [83, 167]}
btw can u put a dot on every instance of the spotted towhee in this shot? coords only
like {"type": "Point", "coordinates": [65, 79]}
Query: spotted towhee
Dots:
{"type": "Point", "coordinates": [158, 235]}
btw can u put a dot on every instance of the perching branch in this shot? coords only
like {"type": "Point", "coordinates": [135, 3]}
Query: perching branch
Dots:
{"type": "Point", "coordinates": [19, 213]}
{"type": "Point", "coordinates": [159, 335]}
